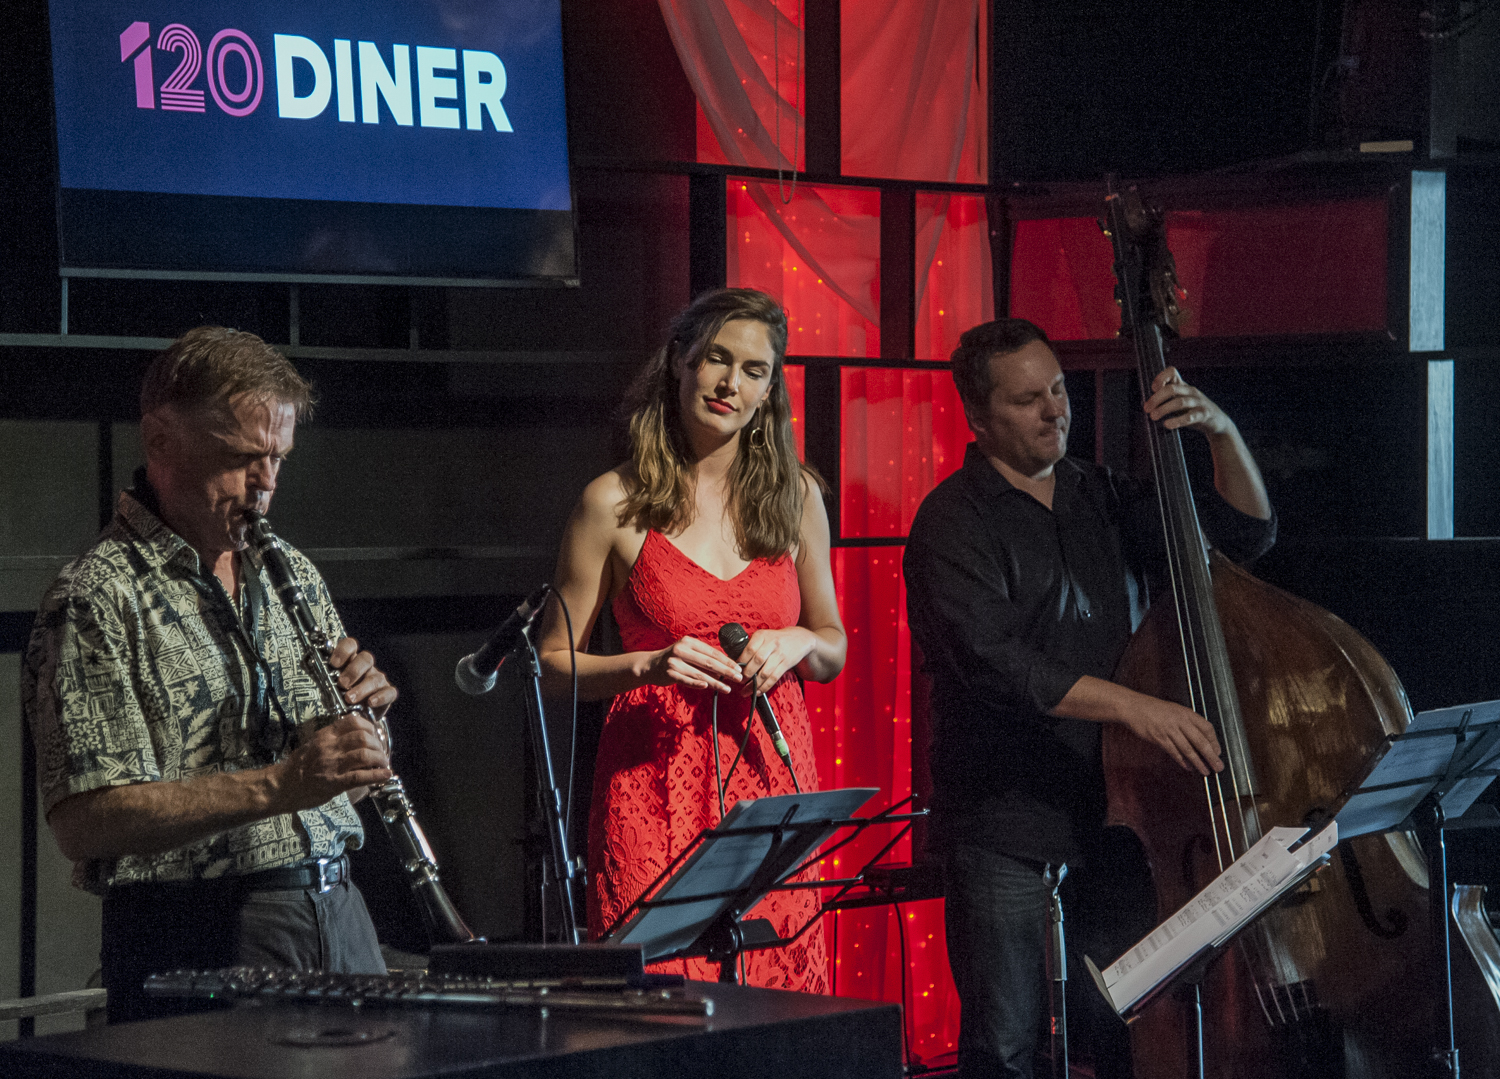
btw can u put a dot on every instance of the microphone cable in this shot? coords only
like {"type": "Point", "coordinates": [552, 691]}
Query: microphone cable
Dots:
{"type": "Point", "coordinates": [745, 741]}
{"type": "Point", "coordinates": [718, 779]}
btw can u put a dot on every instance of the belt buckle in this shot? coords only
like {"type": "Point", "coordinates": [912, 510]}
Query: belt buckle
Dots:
{"type": "Point", "coordinates": [324, 884]}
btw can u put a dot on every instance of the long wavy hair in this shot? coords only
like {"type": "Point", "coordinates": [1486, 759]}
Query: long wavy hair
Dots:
{"type": "Point", "coordinates": [765, 480]}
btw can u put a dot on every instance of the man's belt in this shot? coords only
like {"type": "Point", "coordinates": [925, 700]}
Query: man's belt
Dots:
{"type": "Point", "coordinates": [322, 875]}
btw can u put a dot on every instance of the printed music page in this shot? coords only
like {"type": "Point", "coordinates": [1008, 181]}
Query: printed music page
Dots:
{"type": "Point", "coordinates": [1232, 901]}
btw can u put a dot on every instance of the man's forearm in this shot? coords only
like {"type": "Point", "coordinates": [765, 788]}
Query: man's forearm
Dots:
{"type": "Point", "coordinates": [1181, 732]}
{"type": "Point", "coordinates": [150, 818]}
{"type": "Point", "coordinates": [1097, 700]}
{"type": "Point", "coordinates": [1236, 476]}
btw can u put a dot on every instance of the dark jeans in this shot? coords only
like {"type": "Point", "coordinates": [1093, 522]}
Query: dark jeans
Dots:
{"type": "Point", "coordinates": [996, 925]}
{"type": "Point", "coordinates": [150, 928]}
{"type": "Point", "coordinates": [997, 913]}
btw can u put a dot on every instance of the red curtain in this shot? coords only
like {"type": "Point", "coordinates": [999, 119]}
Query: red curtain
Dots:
{"type": "Point", "coordinates": [902, 432]}
{"type": "Point", "coordinates": [914, 89]}
{"type": "Point", "coordinates": [862, 731]}
{"type": "Point", "coordinates": [1310, 268]}
{"type": "Point", "coordinates": [1314, 268]}
{"type": "Point", "coordinates": [796, 389]}
{"type": "Point", "coordinates": [955, 275]}
{"type": "Point", "coordinates": [744, 61]}
{"type": "Point", "coordinates": [914, 84]}
{"type": "Point", "coordinates": [1062, 278]}
{"type": "Point", "coordinates": [819, 254]}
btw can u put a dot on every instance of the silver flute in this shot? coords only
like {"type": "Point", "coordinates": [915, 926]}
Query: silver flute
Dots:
{"type": "Point", "coordinates": [444, 924]}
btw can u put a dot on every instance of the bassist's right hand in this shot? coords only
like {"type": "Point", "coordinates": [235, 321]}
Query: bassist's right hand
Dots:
{"type": "Point", "coordinates": [1185, 735]}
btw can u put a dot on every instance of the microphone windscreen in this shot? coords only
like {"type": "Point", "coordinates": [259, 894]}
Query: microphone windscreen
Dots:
{"type": "Point", "coordinates": [469, 679]}
{"type": "Point", "coordinates": [733, 638]}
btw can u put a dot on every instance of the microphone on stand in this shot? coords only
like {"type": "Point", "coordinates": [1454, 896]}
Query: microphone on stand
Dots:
{"type": "Point", "coordinates": [733, 638]}
{"type": "Point", "coordinates": [475, 674]}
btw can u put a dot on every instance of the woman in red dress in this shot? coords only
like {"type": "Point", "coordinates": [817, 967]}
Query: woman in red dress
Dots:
{"type": "Point", "coordinates": [712, 520]}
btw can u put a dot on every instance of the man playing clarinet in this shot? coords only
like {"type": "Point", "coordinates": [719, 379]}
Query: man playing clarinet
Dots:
{"type": "Point", "coordinates": [162, 685]}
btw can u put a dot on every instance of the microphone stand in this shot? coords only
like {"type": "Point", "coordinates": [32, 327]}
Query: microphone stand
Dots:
{"type": "Point", "coordinates": [563, 867]}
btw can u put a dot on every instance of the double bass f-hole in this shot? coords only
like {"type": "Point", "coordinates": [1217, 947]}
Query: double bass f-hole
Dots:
{"type": "Point", "coordinates": [1199, 847]}
{"type": "Point", "coordinates": [1361, 895]}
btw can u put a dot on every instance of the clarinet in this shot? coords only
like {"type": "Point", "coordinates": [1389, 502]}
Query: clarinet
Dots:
{"type": "Point", "coordinates": [444, 924]}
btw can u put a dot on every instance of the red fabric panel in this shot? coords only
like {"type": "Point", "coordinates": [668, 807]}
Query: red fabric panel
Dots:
{"type": "Point", "coordinates": [1309, 268]}
{"type": "Point", "coordinates": [861, 726]}
{"type": "Point", "coordinates": [914, 89]}
{"type": "Point", "coordinates": [709, 150]}
{"type": "Point", "coordinates": [957, 291]}
{"type": "Point", "coordinates": [750, 65]}
{"type": "Point", "coordinates": [839, 227]}
{"type": "Point", "coordinates": [902, 433]}
{"type": "Point", "coordinates": [1062, 278]}
{"type": "Point", "coordinates": [1313, 268]}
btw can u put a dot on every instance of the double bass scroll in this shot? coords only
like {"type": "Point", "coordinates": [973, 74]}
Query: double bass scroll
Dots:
{"type": "Point", "coordinates": [1334, 981]}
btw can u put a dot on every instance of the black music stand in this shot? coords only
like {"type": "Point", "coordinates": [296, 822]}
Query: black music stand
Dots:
{"type": "Point", "coordinates": [695, 907]}
{"type": "Point", "coordinates": [1423, 779]}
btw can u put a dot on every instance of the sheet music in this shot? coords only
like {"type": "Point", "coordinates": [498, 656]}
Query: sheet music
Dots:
{"type": "Point", "coordinates": [1233, 900]}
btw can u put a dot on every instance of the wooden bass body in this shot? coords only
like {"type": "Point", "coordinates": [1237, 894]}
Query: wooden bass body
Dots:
{"type": "Point", "coordinates": [1337, 980]}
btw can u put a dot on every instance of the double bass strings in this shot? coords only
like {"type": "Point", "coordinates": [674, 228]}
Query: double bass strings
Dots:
{"type": "Point", "coordinates": [1183, 540]}
{"type": "Point", "coordinates": [1173, 540]}
{"type": "Point", "coordinates": [1140, 315]}
{"type": "Point", "coordinates": [1178, 534]}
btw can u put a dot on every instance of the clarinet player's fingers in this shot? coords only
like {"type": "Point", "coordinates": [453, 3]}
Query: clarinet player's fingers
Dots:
{"type": "Point", "coordinates": [341, 757]}
{"type": "Point", "coordinates": [345, 650]}
{"type": "Point", "coordinates": [361, 681]}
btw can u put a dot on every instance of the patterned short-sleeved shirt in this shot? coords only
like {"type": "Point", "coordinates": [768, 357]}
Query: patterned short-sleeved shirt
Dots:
{"type": "Point", "coordinates": [140, 668]}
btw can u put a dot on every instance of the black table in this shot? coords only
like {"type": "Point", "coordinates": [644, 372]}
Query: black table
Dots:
{"type": "Point", "coordinates": [753, 1033]}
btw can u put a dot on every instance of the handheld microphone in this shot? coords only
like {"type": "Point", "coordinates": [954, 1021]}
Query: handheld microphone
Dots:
{"type": "Point", "coordinates": [475, 674]}
{"type": "Point", "coordinates": [733, 638]}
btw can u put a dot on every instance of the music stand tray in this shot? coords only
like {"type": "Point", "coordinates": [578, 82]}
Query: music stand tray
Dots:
{"type": "Point", "coordinates": [1448, 752]}
{"type": "Point", "coordinates": [730, 868]}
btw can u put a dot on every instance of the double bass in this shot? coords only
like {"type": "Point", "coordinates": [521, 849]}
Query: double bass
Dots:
{"type": "Point", "coordinates": [1337, 980]}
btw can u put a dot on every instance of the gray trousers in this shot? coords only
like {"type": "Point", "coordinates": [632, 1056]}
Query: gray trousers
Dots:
{"type": "Point", "coordinates": [151, 928]}
{"type": "Point", "coordinates": [303, 930]}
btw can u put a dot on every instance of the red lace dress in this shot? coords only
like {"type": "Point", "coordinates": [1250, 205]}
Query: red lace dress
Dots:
{"type": "Point", "coordinates": [654, 781]}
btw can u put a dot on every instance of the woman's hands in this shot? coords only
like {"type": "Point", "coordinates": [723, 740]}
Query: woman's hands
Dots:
{"type": "Point", "coordinates": [770, 654]}
{"type": "Point", "coordinates": [691, 662]}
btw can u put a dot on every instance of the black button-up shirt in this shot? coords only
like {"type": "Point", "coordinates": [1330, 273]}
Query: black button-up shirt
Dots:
{"type": "Point", "coordinates": [1012, 603]}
